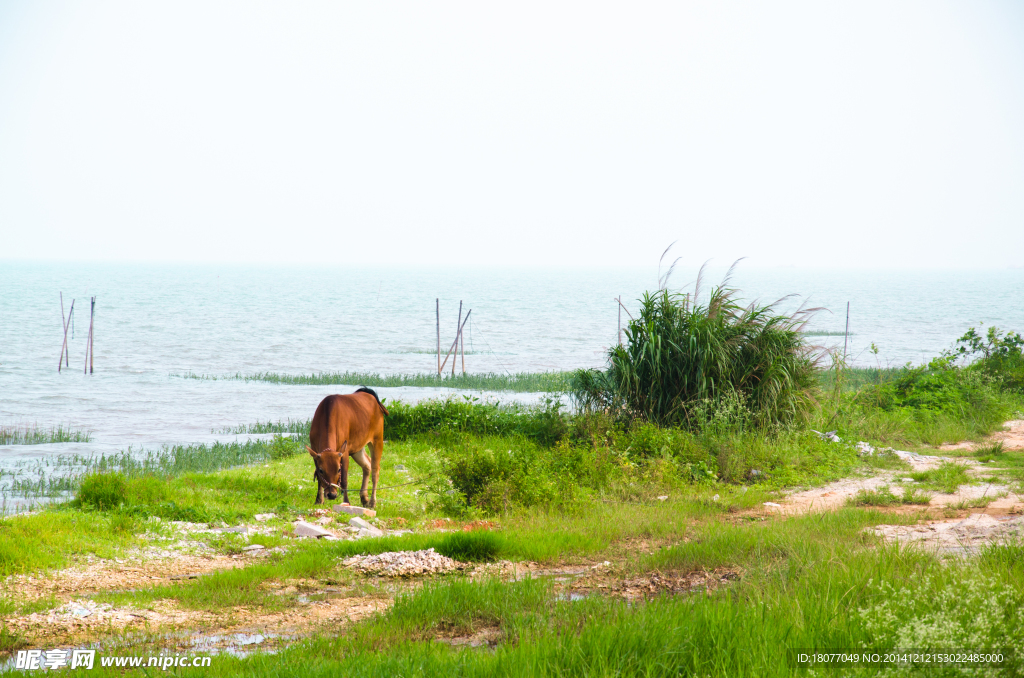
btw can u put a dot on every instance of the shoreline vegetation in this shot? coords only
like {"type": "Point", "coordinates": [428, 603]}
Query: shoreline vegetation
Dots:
{"type": "Point", "coordinates": [641, 517]}
{"type": "Point", "coordinates": [520, 382]}
{"type": "Point", "coordinates": [34, 435]}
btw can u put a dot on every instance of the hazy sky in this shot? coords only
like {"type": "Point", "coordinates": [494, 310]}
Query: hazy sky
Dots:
{"type": "Point", "coordinates": [536, 133]}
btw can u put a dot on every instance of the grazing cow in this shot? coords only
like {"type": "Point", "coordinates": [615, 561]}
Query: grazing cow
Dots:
{"type": "Point", "coordinates": [343, 426]}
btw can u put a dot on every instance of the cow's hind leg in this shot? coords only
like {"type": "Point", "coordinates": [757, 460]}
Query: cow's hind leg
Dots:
{"type": "Point", "coordinates": [360, 458]}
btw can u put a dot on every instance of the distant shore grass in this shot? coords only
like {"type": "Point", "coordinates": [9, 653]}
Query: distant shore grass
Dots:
{"type": "Point", "coordinates": [520, 382]}
{"type": "Point", "coordinates": [33, 435]}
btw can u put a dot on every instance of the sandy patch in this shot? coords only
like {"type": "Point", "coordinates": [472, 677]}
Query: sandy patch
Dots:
{"type": "Point", "coordinates": [1012, 438]}
{"type": "Point", "coordinates": [111, 575]}
{"type": "Point", "coordinates": [959, 536]}
{"type": "Point", "coordinates": [85, 619]}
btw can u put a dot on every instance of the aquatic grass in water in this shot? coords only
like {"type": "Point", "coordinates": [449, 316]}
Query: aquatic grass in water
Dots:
{"type": "Point", "coordinates": [33, 435]}
{"type": "Point", "coordinates": [520, 382]}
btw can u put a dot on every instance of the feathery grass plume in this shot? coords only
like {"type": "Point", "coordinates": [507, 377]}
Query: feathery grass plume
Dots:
{"type": "Point", "coordinates": [682, 352]}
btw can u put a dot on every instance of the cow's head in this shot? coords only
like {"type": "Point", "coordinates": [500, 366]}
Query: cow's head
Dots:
{"type": "Point", "coordinates": [327, 471]}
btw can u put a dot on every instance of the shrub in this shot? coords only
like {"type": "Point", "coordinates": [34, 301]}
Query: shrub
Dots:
{"type": "Point", "coordinates": [681, 354]}
{"type": "Point", "coordinates": [103, 491]}
{"type": "Point", "coordinates": [545, 424]}
{"type": "Point", "coordinates": [999, 356]}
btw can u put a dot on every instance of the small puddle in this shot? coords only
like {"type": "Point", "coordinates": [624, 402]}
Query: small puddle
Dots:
{"type": "Point", "coordinates": [236, 644]}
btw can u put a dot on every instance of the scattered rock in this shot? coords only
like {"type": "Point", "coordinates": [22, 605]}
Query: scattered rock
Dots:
{"type": "Point", "coordinates": [324, 520]}
{"type": "Point", "coordinates": [864, 449]}
{"type": "Point", "coordinates": [403, 563]}
{"type": "Point", "coordinates": [355, 510]}
{"type": "Point", "coordinates": [663, 497]}
{"type": "Point", "coordinates": [772, 504]}
{"type": "Point", "coordinates": [304, 529]}
{"type": "Point", "coordinates": [906, 480]}
{"type": "Point", "coordinates": [264, 517]}
{"type": "Point", "coordinates": [755, 474]}
{"type": "Point", "coordinates": [241, 529]}
{"type": "Point", "coordinates": [253, 547]}
{"type": "Point", "coordinates": [830, 435]}
{"type": "Point", "coordinates": [359, 523]}
{"type": "Point", "coordinates": [714, 498]}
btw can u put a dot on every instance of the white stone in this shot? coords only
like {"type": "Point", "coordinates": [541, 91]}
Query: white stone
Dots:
{"type": "Point", "coordinates": [253, 547]}
{"type": "Point", "coordinates": [772, 504]}
{"type": "Point", "coordinates": [264, 517]}
{"type": "Point", "coordinates": [663, 497]}
{"type": "Point", "coordinates": [304, 529]}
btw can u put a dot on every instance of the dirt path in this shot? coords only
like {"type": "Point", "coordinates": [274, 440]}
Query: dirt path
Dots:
{"type": "Point", "coordinates": [994, 520]}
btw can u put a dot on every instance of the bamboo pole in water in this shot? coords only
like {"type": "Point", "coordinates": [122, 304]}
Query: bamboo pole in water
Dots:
{"type": "Point", "coordinates": [620, 320]}
{"type": "Point", "coordinates": [92, 335]}
{"type": "Point", "coordinates": [458, 330]}
{"type": "Point", "coordinates": [454, 344]}
{"type": "Point", "coordinates": [88, 342]}
{"type": "Point", "coordinates": [462, 344]}
{"type": "Point", "coordinates": [438, 309]}
{"type": "Point", "coordinates": [67, 323]}
{"type": "Point", "coordinates": [846, 334]}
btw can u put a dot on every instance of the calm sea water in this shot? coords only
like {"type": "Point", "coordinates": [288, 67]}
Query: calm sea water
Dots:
{"type": "Point", "coordinates": [154, 322]}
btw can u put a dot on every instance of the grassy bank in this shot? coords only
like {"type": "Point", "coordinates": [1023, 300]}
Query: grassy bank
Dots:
{"type": "Point", "coordinates": [607, 502]}
{"type": "Point", "coordinates": [521, 382]}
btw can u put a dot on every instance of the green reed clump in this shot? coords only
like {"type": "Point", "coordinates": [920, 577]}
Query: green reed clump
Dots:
{"type": "Point", "coordinates": [103, 491]}
{"type": "Point", "coordinates": [681, 352]}
{"type": "Point", "coordinates": [520, 382]}
{"type": "Point", "coordinates": [33, 435]}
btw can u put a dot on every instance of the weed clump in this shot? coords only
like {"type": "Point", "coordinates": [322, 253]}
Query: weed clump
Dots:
{"type": "Point", "coordinates": [103, 491]}
{"type": "Point", "coordinates": [884, 496]}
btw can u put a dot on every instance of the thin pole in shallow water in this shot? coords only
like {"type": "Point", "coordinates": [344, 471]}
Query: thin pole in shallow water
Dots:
{"type": "Point", "coordinates": [88, 342]}
{"type": "Point", "coordinates": [438, 309]}
{"type": "Point", "coordinates": [620, 320]}
{"type": "Point", "coordinates": [846, 334]}
{"type": "Point", "coordinates": [458, 331]}
{"type": "Point", "coordinates": [63, 358]}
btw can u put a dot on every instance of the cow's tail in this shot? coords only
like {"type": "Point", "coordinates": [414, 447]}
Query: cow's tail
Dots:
{"type": "Point", "coordinates": [363, 389]}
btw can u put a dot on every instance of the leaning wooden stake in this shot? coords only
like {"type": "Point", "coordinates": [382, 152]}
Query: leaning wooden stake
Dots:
{"type": "Point", "coordinates": [458, 332]}
{"type": "Point", "coordinates": [462, 345]}
{"type": "Point", "coordinates": [67, 323]}
{"type": "Point", "coordinates": [455, 343]}
{"type": "Point", "coordinates": [438, 309]}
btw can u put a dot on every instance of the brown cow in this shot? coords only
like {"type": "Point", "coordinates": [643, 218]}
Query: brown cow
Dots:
{"type": "Point", "coordinates": [344, 425]}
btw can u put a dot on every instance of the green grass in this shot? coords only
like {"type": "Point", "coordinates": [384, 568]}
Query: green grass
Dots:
{"type": "Point", "coordinates": [521, 382]}
{"type": "Point", "coordinates": [33, 435]}
{"type": "Point", "coordinates": [51, 538]}
{"type": "Point", "coordinates": [884, 496]}
{"type": "Point", "coordinates": [947, 478]}
{"type": "Point", "coordinates": [817, 581]}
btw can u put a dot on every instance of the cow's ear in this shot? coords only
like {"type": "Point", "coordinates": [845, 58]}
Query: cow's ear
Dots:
{"type": "Point", "coordinates": [344, 448]}
{"type": "Point", "coordinates": [312, 453]}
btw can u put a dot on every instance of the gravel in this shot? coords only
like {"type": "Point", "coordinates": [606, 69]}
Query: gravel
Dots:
{"type": "Point", "coordinates": [403, 563]}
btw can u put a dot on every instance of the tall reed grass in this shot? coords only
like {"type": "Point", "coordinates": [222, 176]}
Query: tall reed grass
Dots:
{"type": "Point", "coordinates": [682, 351]}
{"type": "Point", "coordinates": [33, 435]}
